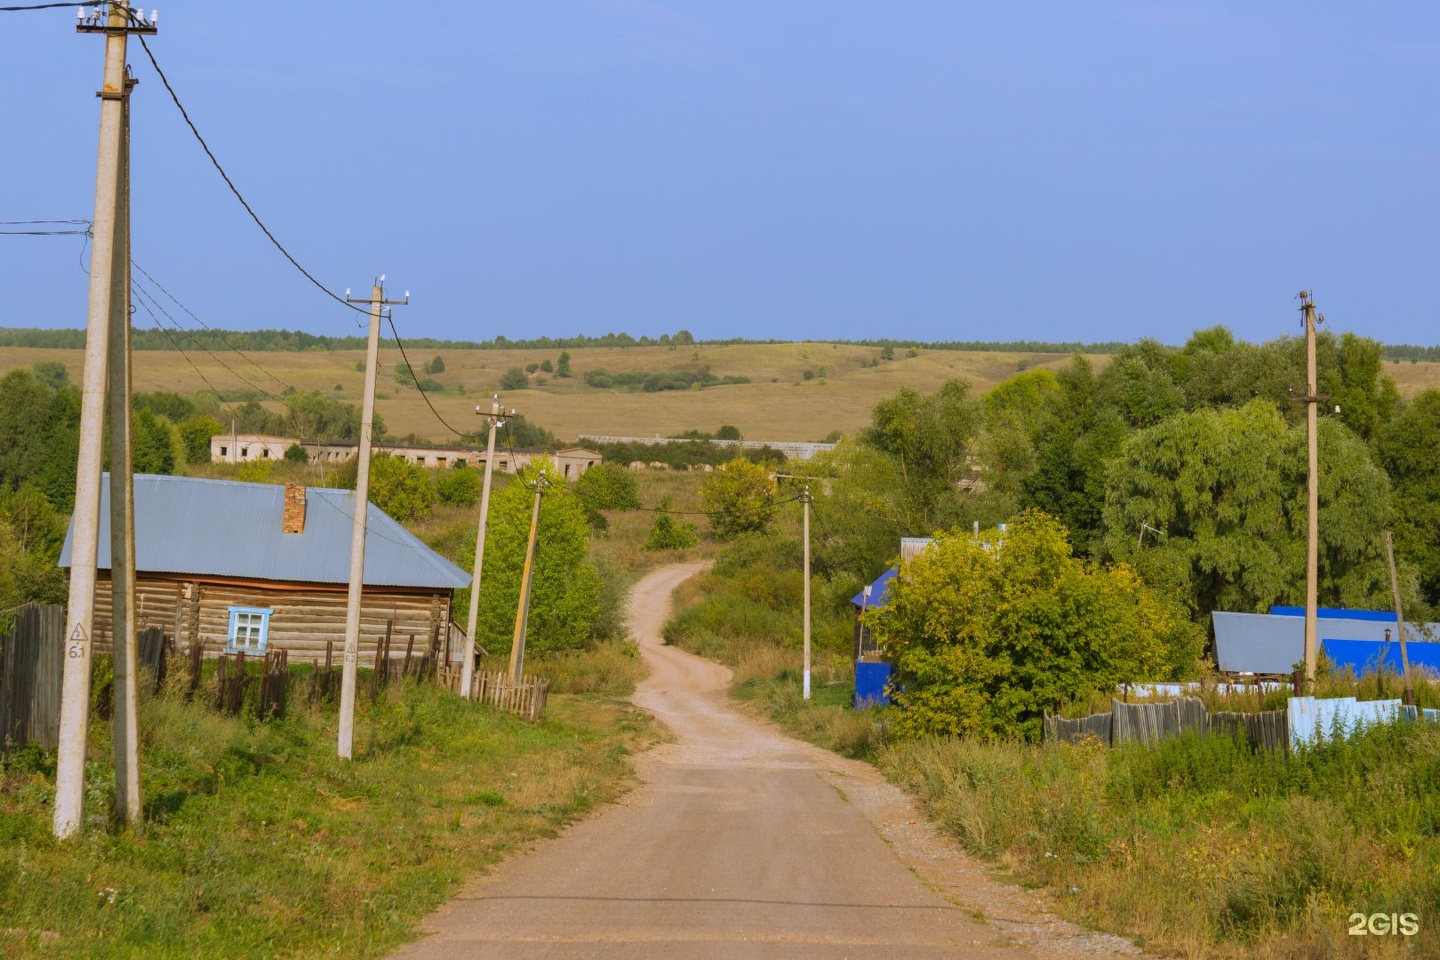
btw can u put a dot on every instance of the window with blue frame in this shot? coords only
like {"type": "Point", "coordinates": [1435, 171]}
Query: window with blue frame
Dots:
{"type": "Point", "coordinates": [249, 629]}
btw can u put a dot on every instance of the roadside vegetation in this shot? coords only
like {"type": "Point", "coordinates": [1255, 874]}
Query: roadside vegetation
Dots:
{"type": "Point", "coordinates": [259, 842]}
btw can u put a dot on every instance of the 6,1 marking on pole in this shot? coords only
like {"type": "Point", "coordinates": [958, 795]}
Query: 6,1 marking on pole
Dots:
{"type": "Point", "coordinates": [75, 648]}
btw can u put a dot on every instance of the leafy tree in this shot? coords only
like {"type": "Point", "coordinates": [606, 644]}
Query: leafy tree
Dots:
{"type": "Point", "coordinates": [514, 379]}
{"type": "Point", "coordinates": [983, 641]}
{"type": "Point", "coordinates": [739, 498]}
{"type": "Point", "coordinates": [667, 533]}
{"type": "Point", "coordinates": [195, 434]}
{"type": "Point", "coordinates": [166, 403]}
{"type": "Point", "coordinates": [524, 434]}
{"type": "Point", "coordinates": [1406, 448]}
{"type": "Point", "coordinates": [565, 593]}
{"type": "Point", "coordinates": [930, 439]}
{"type": "Point", "coordinates": [459, 486]}
{"type": "Point", "coordinates": [31, 534]}
{"type": "Point", "coordinates": [562, 365]}
{"type": "Point", "coordinates": [532, 367]}
{"type": "Point", "coordinates": [296, 454]}
{"type": "Point", "coordinates": [608, 486]}
{"type": "Point", "coordinates": [437, 365]}
{"type": "Point", "coordinates": [25, 403]}
{"type": "Point", "coordinates": [728, 432]}
{"type": "Point", "coordinates": [546, 366]}
{"type": "Point", "coordinates": [1227, 491]}
{"type": "Point", "coordinates": [154, 443]}
{"type": "Point", "coordinates": [258, 471]}
{"type": "Point", "coordinates": [400, 488]}
{"type": "Point", "coordinates": [52, 373]}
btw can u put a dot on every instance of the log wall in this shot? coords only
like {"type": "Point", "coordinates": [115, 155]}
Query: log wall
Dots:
{"type": "Point", "coordinates": [304, 616]}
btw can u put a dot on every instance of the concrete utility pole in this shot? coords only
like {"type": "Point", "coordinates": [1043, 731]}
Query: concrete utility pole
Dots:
{"type": "Point", "coordinates": [522, 615]}
{"type": "Point", "coordinates": [1399, 618]}
{"type": "Point", "coordinates": [126, 683]}
{"type": "Point", "coordinates": [351, 662]}
{"type": "Point", "coordinates": [117, 23]}
{"type": "Point", "coordinates": [1312, 530]}
{"type": "Point", "coordinates": [806, 498]}
{"type": "Point", "coordinates": [467, 672]}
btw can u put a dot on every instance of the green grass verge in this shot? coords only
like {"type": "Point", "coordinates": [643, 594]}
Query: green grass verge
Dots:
{"type": "Point", "coordinates": [259, 842]}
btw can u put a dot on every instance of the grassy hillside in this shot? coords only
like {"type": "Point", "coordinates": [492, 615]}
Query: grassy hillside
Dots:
{"type": "Point", "coordinates": [778, 403]}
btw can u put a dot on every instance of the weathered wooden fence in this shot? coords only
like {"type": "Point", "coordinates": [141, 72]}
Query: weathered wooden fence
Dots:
{"type": "Point", "coordinates": [526, 698]}
{"type": "Point", "coordinates": [32, 653]}
{"type": "Point", "coordinates": [1150, 723]}
{"type": "Point", "coordinates": [272, 683]}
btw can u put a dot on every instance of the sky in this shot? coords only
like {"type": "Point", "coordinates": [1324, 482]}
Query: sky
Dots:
{"type": "Point", "coordinates": [921, 170]}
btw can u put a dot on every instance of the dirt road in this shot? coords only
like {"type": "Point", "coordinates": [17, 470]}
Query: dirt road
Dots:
{"type": "Point", "coordinates": [744, 843]}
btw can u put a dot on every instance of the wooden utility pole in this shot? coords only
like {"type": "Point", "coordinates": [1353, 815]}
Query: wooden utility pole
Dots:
{"type": "Point", "coordinates": [467, 672]}
{"type": "Point", "coordinates": [116, 23]}
{"type": "Point", "coordinates": [522, 614]}
{"type": "Point", "coordinates": [1399, 617]}
{"type": "Point", "coordinates": [1312, 480]}
{"type": "Point", "coordinates": [126, 683]}
{"type": "Point", "coordinates": [351, 660]}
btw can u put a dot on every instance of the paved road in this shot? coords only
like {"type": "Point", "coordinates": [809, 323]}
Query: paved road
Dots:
{"type": "Point", "coordinates": [741, 843]}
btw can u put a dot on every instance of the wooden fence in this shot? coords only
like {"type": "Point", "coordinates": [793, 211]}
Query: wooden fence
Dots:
{"type": "Point", "coordinates": [32, 658]}
{"type": "Point", "coordinates": [526, 698]}
{"type": "Point", "coordinates": [1149, 723]}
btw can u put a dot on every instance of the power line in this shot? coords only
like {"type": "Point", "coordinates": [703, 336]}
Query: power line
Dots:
{"type": "Point", "coordinates": [202, 323]}
{"type": "Point", "coordinates": [46, 223]}
{"type": "Point", "coordinates": [38, 6]}
{"type": "Point", "coordinates": [140, 289]}
{"type": "Point", "coordinates": [390, 317]}
{"type": "Point", "coordinates": [234, 189]}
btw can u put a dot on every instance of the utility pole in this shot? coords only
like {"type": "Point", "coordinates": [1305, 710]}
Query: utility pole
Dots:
{"type": "Point", "coordinates": [126, 683]}
{"type": "Point", "coordinates": [1312, 529]}
{"type": "Point", "coordinates": [1399, 618]}
{"type": "Point", "coordinates": [377, 302]}
{"type": "Point", "coordinates": [806, 498]}
{"type": "Point", "coordinates": [522, 615]}
{"type": "Point", "coordinates": [467, 672]}
{"type": "Point", "coordinates": [117, 23]}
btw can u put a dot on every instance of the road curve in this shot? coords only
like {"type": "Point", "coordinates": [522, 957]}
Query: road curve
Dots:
{"type": "Point", "coordinates": [743, 843]}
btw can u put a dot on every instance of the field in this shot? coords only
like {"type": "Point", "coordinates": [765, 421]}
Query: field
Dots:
{"type": "Point", "coordinates": [778, 403]}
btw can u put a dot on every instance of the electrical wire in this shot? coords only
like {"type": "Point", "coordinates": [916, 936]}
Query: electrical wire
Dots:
{"type": "Point", "coordinates": [39, 6]}
{"type": "Point", "coordinates": [390, 317]}
{"type": "Point", "coordinates": [144, 293]}
{"type": "Point", "coordinates": [236, 190]}
{"type": "Point", "coordinates": [191, 313]}
{"type": "Point", "coordinates": [45, 233]}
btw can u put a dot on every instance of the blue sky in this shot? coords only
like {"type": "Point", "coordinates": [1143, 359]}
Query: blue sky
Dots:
{"type": "Point", "coordinates": [792, 168]}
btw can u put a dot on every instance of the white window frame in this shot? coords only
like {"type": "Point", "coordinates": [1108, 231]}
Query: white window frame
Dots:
{"type": "Point", "coordinates": [255, 623]}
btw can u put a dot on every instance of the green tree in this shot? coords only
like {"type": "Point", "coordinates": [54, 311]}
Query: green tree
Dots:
{"type": "Point", "coordinates": [436, 365]}
{"type": "Point", "coordinates": [739, 498]}
{"type": "Point", "coordinates": [565, 593]}
{"type": "Point", "coordinates": [514, 379]}
{"type": "Point", "coordinates": [195, 434]}
{"type": "Point", "coordinates": [546, 366]}
{"type": "Point", "coordinates": [1226, 490]}
{"type": "Point", "coordinates": [154, 443]}
{"type": "Point", "coordinates": [31, 534]}
{"type": "Point", "coordinates": [25, 405]}
{"type": "Point", "coordinates": [930, 439]}
{"type": "Point", "coordinates": [459, 486]}
{"type": "Point", "coordinates": [400, 488]}
{"type": "Point", "coordinates": [667, 533]}
{"type": "Point", "coordinates": [166, 403]}
{"type": "Point", "coordinates": [730, 432]}
{"type": "Point", "coordinates": [1406, 447]}
{"type": "Point", "coordinates": [52, 373]}
{"type": "Point", "coordinates": [296, 454]}
{"type": "Point", "coordinates": [608, 486]}
{"type": "Point", "coordinates": [984, 640]}
{"type": "Point", "coordinates": [562, 365]}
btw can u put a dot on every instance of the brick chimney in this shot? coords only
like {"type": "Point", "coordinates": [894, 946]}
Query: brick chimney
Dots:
{"type": "Point", "coordinates": [294, 521]}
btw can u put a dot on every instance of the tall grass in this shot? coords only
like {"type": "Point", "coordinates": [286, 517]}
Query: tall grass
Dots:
{"type": "Point", "coordinates": [259, 842]}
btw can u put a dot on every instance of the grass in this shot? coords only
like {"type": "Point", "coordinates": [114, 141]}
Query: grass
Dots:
{"type": "Point", "coordinates": [259, 842]}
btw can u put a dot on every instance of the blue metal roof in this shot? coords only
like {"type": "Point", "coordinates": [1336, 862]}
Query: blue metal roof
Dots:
{"type": "Point", "coordinates": [224, 528]}
{"type": "Point", "coordinates": [879, 592]}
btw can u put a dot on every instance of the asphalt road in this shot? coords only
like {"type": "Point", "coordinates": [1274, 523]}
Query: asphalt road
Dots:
{"type": "Point", "coordinates": [742, 843]}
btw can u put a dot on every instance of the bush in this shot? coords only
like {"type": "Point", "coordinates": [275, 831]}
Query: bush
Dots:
{"type": "Point", "coordinates": [514, 379]}
{"type": "Point", "coordinates": [296, 454]}
{"type": "Point", "coordinates": [458, 486]}
{"type": "Point", "coordinates": [669, 534]}
{"type": "Point", "coordinates": [608, 486]}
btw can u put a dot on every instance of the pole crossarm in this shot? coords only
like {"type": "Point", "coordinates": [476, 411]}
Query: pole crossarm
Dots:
{"type": "Point", "coordinates": [98, 19]}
